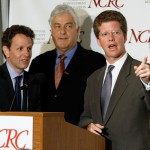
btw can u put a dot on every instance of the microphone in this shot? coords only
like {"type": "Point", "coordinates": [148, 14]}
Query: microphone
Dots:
{"type": "Point", "coordinates": [38, 78]}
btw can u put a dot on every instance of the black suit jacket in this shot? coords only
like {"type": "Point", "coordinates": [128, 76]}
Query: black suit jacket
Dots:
{"type": "Point", "coordinates": [127, 121]}
{"type": "Point", "coordinates": [69, 95]}
{"type": "Point", "coordinates": [31, 96]}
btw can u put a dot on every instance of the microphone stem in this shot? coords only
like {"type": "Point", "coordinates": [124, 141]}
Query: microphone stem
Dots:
{"type": "Point", "coordinates": [13, 101]}
{"type": "Point", "coordinates": [27, 100]}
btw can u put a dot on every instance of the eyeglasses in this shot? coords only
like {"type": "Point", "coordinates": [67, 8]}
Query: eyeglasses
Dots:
{"type": "Point", "coordinates": [107, 34]}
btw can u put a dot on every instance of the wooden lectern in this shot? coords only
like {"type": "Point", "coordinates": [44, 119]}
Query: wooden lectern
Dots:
{"type": "Point", "coordinates": [52, 132]}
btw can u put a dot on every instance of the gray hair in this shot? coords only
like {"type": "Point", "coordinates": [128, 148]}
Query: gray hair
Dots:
{"type": "Point", "coordinates": [60, 9]}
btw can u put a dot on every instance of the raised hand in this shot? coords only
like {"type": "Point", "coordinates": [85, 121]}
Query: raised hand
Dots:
{"type": "Point", "coordinates": [143, 71]}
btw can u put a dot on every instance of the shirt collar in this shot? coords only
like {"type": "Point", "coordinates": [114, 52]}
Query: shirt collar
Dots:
{"type": "Point", "coordinates": [12, 72]}
{"type": "Point", "coordinates": [70, 53]}
{"type": "Point", "coordinates": [119, 63]}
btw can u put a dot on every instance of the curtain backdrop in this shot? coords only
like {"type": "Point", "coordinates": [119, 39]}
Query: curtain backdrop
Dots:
{"type": "Point", "coordinates": [35, 14]}
{"type": "Point", "coordinates": [4, 21]}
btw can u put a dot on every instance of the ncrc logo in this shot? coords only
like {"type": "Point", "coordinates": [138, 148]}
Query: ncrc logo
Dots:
{"type": "Point", "coordinates": [139, 36]}
{"type": "Point", "coordinates": [106, 3]}
{"type": "Point", "coordinates": [10, 138]}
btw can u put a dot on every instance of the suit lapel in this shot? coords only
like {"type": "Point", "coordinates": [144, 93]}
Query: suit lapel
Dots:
{"type": "Point", "coordinates": [75, 62]}
{"type": "Point", "coordinates": [73, 67]}
{"type": "Point", "coordinates": [97, 91]}
{"type": "Point", "coordinates": [26, 99]}
{"type": "Point", "coordinates": [7, 88]}
{"type": "Point", "coordinates": [121, 85]}
{"type": "Point", "coordinates": [8, 81]}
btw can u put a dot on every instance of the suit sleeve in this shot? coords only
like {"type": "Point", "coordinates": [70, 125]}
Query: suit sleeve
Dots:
{"type": "Point", "coordinates": [86, 117]}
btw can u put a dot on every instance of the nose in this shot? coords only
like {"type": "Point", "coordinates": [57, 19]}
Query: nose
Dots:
{"type": "Point", "coordinates": [111, 36]}
{"type": "Point", "coordinates": [27, 52]}
{"type": "Point", "coordinates": [62, 30]}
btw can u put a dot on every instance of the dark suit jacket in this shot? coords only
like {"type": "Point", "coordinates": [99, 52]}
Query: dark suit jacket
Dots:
{"type": "Point", "coordinates": [7, 93]}
{"type": "Point", "coordinates": [127, 123]}
{"type": "Point", "coordinates": [69, 95]}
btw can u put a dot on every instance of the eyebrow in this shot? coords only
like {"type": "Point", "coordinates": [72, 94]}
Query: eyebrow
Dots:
{"type": "Point", "coordinates": [65, 23]}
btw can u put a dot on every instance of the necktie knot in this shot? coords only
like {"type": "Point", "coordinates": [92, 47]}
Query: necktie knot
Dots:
{"type": "Point", "coordinates": [18, 78]}
{"type": "Point", "coordinates": [110, 68]}
{"type": "Point", "coordinates": [62, 57]}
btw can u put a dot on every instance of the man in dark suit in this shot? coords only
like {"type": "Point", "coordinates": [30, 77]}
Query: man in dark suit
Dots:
{"type": "Point", "coordinates": [126, 122]}
{"type": "Point", "coordinates": [68, 97]}
{"type": "Point", "coordinates": [17, 42]}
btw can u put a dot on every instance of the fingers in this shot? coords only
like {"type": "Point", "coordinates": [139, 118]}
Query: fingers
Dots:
{"type": "Point", "coordinates": [135, 68]}
{"type": "Point", "coordinates": [95, 128]}
{"type": "Point", "coordinates": [142, 68]}
{"type": "Point", "coordinates": [144, 60]}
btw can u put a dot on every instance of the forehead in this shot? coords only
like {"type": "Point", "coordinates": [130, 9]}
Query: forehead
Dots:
{"type": "Point", "coordinates": [110, 25]}
{"type": "Point", "coordinates": [19, 39]}
{"type": "Point", "coordinates": [63, 18]}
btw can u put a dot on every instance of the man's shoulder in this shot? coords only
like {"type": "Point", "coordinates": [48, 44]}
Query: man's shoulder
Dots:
{"type": "Point", "coordinates": [45, 55]}
{"type": "Point", "coordinates": [3, 68]}
{"type": "Point", "coordinates": [132, 61]}
{"type": "Point", "coordinates": [89, 52]}
{"type": "Point", "coordinates": [94, 56]}
{"type": "Point", "coordinates": [97, 72]}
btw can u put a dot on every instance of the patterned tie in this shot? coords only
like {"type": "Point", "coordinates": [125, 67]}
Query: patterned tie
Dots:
{"type": "Point", "coordinates": [18, 92]}
{"type": "Point", "coordinates": [106, 91]}
{"type": "Point", "coordinates": [59, 70]}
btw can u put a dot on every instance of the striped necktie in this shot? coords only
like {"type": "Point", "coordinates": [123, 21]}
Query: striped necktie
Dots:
{"type": "Point", "coordinates": [59, 70]}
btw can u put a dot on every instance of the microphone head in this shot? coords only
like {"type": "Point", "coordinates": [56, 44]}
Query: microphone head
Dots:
{"type": "Point", "coordinates": [38, 78]}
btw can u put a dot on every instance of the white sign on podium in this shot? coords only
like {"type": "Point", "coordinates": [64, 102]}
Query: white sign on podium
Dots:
{"type": "Point", "coordinates": [16, 132]}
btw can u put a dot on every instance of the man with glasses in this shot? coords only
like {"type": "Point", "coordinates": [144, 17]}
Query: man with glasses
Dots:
{"type": "Point", "coordinates": [117, 97]}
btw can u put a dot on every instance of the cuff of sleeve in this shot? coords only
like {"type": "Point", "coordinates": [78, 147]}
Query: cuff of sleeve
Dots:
{"type": "Point", "coordinates": [147, 86]}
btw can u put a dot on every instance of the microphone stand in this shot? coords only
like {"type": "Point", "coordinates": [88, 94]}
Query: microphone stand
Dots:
{"type": "Point", "coordinates": [24, 87]}
{"type": "Point", "coordinates": [13, 101]}
{"type": "Point", "coordinates": [27, 100]}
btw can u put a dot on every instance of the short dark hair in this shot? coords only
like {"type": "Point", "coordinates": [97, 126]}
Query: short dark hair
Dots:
{"type": "Point", "coordinates": [10, 32]}
{"type": "Point", "coordinates": [110, 15]}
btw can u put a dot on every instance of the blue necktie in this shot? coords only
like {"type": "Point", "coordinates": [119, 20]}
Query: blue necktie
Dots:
{"type": "Point", "coordinates": [18, 92]}
{"type": "Point", "coordinates": [106, 91]}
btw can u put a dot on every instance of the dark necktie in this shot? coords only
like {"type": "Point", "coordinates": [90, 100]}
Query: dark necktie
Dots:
{"type": "Point", "coordinates": [59, 70]}
{"type": "Point", "coordinates": [106, 91]}
{"type": "Point", "coordinates": [18, 92]}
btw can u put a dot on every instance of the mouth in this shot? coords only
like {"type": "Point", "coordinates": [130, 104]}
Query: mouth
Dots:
{"type": "Point", "coordinates": [112, 46]}
{"type": "Point", "coordinates": [62, 38]}
{"type": "Point", "coordinates": [25, 60]}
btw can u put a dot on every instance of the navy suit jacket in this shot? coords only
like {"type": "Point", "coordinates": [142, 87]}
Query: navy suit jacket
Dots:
{"type": "Point", "coordinates": [127, 121]}
{"type": "Point", "coordinates": [31, 95]}
{"type": "Point", "coordinates": [69, 96]}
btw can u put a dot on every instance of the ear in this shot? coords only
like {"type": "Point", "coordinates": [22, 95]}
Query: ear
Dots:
{"type": "Point", "coordinates": [6, 51]}
{"type": "Point", "coordinates": [78, 30]}
{"type": "Point", "coordinates": [125, 38]}
{"type": "Point", "coordinates": [98, 41]}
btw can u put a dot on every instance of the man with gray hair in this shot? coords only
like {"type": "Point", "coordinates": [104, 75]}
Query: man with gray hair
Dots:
{"type": "Point", "coordinates": [67, 67]}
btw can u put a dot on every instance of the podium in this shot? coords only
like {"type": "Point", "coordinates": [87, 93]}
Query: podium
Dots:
{"type": "Point", "coordinates": [52, 132]}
